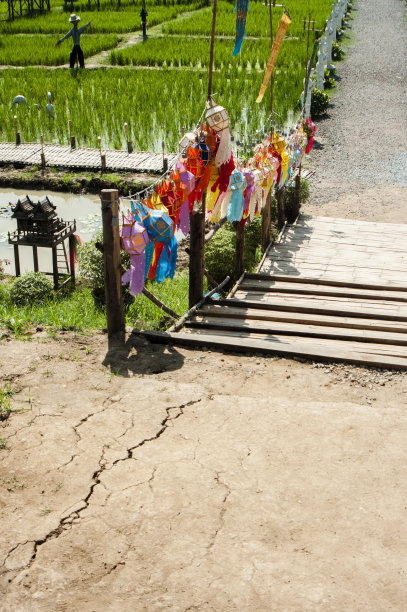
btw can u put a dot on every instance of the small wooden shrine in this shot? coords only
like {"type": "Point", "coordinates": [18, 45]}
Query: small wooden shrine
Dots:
{"type": "Point", "coordinates": [39, 226]}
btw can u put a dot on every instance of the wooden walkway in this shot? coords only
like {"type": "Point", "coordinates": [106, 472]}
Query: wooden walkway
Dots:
{"type": "Point", "coordinates": [60, 156]}
{"type": "Point", "coordinates": [330, 290]}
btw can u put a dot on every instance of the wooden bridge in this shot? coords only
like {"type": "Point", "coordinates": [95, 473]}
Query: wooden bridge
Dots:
{"type": "Point", "coordinates": [60, 156]}
{"type": "Point", "coordinates": [330, 290]}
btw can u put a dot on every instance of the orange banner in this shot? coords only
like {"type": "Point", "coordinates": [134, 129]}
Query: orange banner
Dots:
{"type": "Point", "coordinates": [282, 28]}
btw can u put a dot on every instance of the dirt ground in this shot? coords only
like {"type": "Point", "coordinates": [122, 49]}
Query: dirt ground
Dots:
{"type": "Point", "coordinates": [152, 478]}
{"type": "Point", "coordinates": [148, 478]}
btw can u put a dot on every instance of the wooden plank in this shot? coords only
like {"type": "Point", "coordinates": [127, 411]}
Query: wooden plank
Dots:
{"type": "Point", "coordinates": [272, 286]}
{"type": "Point", "coordinates": [295, 329]}
{"type": "Point", "coordinates": [322, 282]}
{"type": "Point", "coordinates": [321, 309]}
{"type": "Point", "coordinates": [330, 345]}
{"type": "Point", "coordinates": [398, 308]}
{"type": "Point", "coordinates": [302, 318]}
{"type": "Point", "coordinates": [318, 352]}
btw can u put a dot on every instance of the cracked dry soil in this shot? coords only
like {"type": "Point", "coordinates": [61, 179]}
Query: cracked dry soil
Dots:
{"type": "Point", "coordinates": [190, 480]}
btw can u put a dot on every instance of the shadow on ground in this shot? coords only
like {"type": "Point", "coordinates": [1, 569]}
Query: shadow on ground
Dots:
{"type": "Point", "coordinates": [138, 356]}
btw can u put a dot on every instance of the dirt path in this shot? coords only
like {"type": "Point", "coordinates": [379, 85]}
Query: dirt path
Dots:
{"type": "Point", "coordinates": [151, 478]}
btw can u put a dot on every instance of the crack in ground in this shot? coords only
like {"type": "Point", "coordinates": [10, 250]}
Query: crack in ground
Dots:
{"type": "Point", "coordinates": [222, 512]}
{"type": "Point", "coordinates": [66, 522]}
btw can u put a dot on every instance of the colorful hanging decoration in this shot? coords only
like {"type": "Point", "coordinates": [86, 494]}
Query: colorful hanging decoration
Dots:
{"type": "Point", "coordinates": [241, 10]}
{"type": "Point", "coordinates": [278, 41]}
{"type": "Point", "coordinates": [218, 120]}
{"type": "Point", "coordinates": [237, 186]}
{"type": "Point", "coordinates": [134, 239]}
{"type": "Point", "coordinates": [233, 191]}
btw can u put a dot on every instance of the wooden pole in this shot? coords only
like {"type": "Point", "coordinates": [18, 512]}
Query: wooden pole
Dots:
{"type": "Point", "coordinates": [297, 193]}
{"type": "Point", "coordinates": [215, 4]}
{"type": "Point", "coordinates": [55, 267]}
{"type": "Point", "coordinates": [266, 222]}
{"type": "Point", "coordinates": [196, 257]}
{"type": "Point", "coordinates": [71, 243]}
{"type": "Point", "coordinates": [280, 208]}
{"type": "Point", "coordinates": [197, 220]}
{"type": "Point", "coordinates": [17, 260]}
{"type": "Point", "coordinates": [112, 261]}
{"type": "Point", "coordinates": [35, 258]}
{"type": "Point", "coordinates": [239, 252]}
{"type": "Point", "coordinates": [18, 136]}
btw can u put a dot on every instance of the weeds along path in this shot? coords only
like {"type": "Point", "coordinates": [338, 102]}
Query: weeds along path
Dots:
{"type": "Point", "coordinates": [360, 157]}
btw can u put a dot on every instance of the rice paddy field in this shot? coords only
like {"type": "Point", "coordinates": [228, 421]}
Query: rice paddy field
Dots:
{"type": "Point", "coordinates": [157, 86]}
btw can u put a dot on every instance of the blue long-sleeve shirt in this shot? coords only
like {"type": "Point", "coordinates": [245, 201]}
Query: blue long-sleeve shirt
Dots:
{"type": "Point", "coordinates": [75, 33]}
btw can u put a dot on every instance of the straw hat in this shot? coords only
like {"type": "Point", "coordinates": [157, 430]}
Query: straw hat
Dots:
{"type": "Point", "coordinates": [74, 18]}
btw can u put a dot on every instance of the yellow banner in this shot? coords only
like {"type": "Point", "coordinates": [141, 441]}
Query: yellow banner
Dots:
{"type": "Point", "coordinates": [282, 28]}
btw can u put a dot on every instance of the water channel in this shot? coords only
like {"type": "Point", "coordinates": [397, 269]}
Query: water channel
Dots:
{"type": "Point", "coordinates": [85, 209]}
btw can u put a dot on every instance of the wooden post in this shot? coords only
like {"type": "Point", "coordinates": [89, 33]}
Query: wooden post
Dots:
{"type": "Point", "coordinates": [42, 153]}
{"type": "Point", "coordinates": [196, 239]}
{"type": "Point", "coordinates": [73, 142]}
{"type": "Point", "coordinates": [17, 260]}
{"type": "Point", "coordinates": [18, 136]}
{"type": "Point", "coordinates": [35, 258]}
{"type": "Point", "coordinates": [239, 253]}
{"type": "Point", "coordinates": [280, 208]}
{"type": "Point", "coordinates": [266, 222]}
{"type": "Point", "coordinates": [71, 243]}
{"type": "Point", "coordinates": [129, 144]}
{"type": "Point", "coordinates": [297, 193]}
{"type": "Point", "coordinates": [55, 267]}
{"type": "Point", "coordinates": [112, 261]}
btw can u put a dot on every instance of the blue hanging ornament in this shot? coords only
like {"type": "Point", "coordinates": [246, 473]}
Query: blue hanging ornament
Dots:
{"type": "Point", "coordinates": [237, 186]}
{"type": "Point", "coordinates": [204, 151]}
{"type": "Point", "coordinates": [241, 9]}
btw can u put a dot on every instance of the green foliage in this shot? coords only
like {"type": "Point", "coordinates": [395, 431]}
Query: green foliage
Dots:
{"type": "Point", "coordinates": [220, 251]}
{"type": "Point", "coordinates": [329, 81]}
{"type": "Point", "coordinates": [91, 262]}
{"type": "Point", "coordinates": [23, 50]}
{"type": "Point", "coordinates": [5, 405]}
{"type": "Point", "coordinates": [32, 287]}
{"type": "Point", "coordinates": [337, 52]}
{"type": "Point", "coordinates": [319, 103]}
{"type": "Point", "coordinates": [289, 195]}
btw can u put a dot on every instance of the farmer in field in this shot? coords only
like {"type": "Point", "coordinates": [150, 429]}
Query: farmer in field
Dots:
{"type": "Point", "coordinates": [75, 32]}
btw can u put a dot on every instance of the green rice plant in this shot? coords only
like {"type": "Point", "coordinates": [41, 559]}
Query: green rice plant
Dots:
{"type": "Point", "coordinates": [23, 50]}
{"type": "Point", "coordinates": [257, 23]}
{"type": "Point", "coordinates": [110, 21]}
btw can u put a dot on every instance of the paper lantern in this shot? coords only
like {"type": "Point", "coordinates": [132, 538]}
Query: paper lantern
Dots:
{"type": "Point", "coordinates": [161, 226]}
{"type": "Point", "coordinates": [237, 181]}
{"type": "Point", "coordinates": [204, 151]}
{"type": "Point", "coordinates": [141, 212]}
{"type": "Point", "coordinates": [134, 236]}
{"type": "Point", "coordinates": [216, 116]}
{"type": "Point", "coordinates": [187, 139]}
{"type": "Point", "coordinates": [277, 142]}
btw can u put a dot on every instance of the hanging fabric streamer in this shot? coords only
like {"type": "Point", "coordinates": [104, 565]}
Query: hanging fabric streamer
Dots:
{"type": "Point", "coordinates": [134, 240]}
{"type": "Point", "coordinates": [241, 9]}
{"type": "Point", "coordinates": [282, 28]}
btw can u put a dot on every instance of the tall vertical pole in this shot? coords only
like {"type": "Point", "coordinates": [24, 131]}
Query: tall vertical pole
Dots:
{"type": "Point", "coordinates": [266, 212]}
{"type": "Point", "coordinates": [112, 261]}
{"type": "Point", "coordinates": [197, 219]}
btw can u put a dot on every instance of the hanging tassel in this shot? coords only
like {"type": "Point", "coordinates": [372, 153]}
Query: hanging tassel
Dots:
{"type": "Point", "coordinates": [135, 274]}
{"type": "Point", "coordinates": [235, 208]}
{"type": "Point", "coordinates": [183, 221]}
{"type": "Point", "coordinates": [225, 148]}
{"type": "Point", "coordinates": [310, 145]}
{"type": "Point", "coordinates": [149, 251]}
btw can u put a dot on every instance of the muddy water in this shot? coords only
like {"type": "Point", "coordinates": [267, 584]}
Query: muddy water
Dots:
{"type": "Point", "coordinates": [84, 209]}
